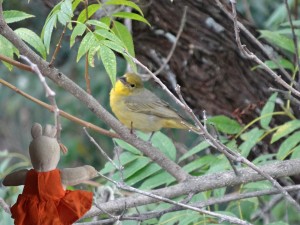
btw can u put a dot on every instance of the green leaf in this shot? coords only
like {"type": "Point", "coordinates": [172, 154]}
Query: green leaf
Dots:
{"type": "Point", "coordinates": [135, 166]}
{"type": "Point", "coordinates": [250, 139]}
{"type": "Point", "coordinates": [92, 52]}
{"type": "Point", "coordinates": [225, 124]}
{"type": "Point", "coordinates": [32, 39]}
{"type": "Point", "coordinates": [164, 144]}
{"type": "Point", "coordinates": [285, 129]}
{"type": "Point", "coordinates": [110, 63]}
{"type": "Point", "coordinates": [91, 10]}
{"type": "Point", "coordinates": [48, 29]}
{"type": "Point", "coordinates": [143, 173]}
{"type": "Point", "coordinates": [75, 3]}
{"type": "Point", "coordinates": [198, 148]}
{"type": "Point", "coordinates": [268, 109]}
{"type": "Point", "coordinates": [124, 2]}
{"type": "Point", "coordinates": [12, 16]}
{"type": "Point", "coordinates": [262, 159]}
{"type": "Point", "coordinates": [97, 24]}
{"type": "Point", "coordinates": [162, 178]}
{"type": "Point", "coordinates": [125, 36]}
{"type": "Point", "coordinates": [87, 42]}
{"type": "Point", "coordinates": [278, 40]}
{"type": "Point", "coordinates": [287, 145]}
{"type": "Point", "coordinates": [286, 64]}
{"type": "Point", "coordinates": [125, 158]}
{"type": "Point", "coordinates": [198, 163]}
{"type": "Point", "coordinates": [112, 45]}
{"type": "Point", "coordinates": [7, 49]}
{"type": "Point", "coordinates": [78, 30]}
{"type": "Point", "coordinates": [124, 145]}
{"type": "Point", "coordinates": [132, 16]}
{"type": "Point", "coordinates": [296, 153]}
{"type": "Point", "coordinates": [110, 36]}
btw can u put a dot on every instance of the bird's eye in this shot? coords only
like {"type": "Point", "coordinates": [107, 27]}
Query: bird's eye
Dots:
{"type": "Point", "coordinates": [132, 85]}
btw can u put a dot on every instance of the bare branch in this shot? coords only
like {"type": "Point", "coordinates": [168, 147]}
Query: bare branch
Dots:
{"type": "Point", "coordinates": [205, 183]}
{"type": "Point", "coordinates": [125, 187]}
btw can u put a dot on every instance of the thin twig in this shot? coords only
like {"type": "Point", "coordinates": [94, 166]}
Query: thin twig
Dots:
{"type": "Point", "coordinates": [182, 24]}
{"type": "Point", "coordinates": [50, 94]}
{"type": "Point", "coordinates": [61, 112]}
{"type": "Point", "coordinates": [15, 63]}
{"type": "Point", "coordinates": [100, 149]}
{"type": "Point", "coordinates": [5, 206]}
{"type": "Point", "coordinates": [58, 46]}
{"type": "Point", "coordinates": [287, 95]}
{"type": "Point", "coordinates": [294, 37]}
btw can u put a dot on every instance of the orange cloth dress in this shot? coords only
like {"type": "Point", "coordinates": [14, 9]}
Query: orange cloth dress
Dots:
{"type": "Point", "coordinates": [45, 202]}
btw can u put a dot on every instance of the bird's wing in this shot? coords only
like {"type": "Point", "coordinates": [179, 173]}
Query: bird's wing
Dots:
{"type": "Point", "coordinates": [148, 103]}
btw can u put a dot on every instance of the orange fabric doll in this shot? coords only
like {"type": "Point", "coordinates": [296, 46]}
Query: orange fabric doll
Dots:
{"type": "Point", "coordinates": [44, 200]}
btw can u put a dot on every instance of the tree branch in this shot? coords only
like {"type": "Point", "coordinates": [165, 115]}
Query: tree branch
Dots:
{"type": "Point", "coordinates": [203, 183]}
{"type": "Point", "coordinates": [63, 81]}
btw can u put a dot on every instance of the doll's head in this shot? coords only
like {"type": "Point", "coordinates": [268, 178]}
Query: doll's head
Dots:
{"type": "Point", "coordinates": [44, 149]}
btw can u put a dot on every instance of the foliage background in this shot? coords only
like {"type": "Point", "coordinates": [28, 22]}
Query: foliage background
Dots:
{"type": "Point", "coordinates": [17, 115]}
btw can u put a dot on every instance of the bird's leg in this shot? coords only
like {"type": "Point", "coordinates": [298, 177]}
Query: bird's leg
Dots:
{"type": "Point", "coordinates": [131, 127]}
{"type": "Point", "coordinates": [151, 135]}
{"type": "Point", "coordinates": [236, 172]}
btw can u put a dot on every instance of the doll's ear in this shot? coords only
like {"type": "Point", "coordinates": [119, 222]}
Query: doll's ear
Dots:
{"type": "Point", "coordinates": [50, 131]}
{"type": "Point", "coordinates": [36, 130]}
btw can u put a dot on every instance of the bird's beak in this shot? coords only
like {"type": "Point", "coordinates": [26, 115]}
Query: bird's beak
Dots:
{"type": "Point", "coordinates": [123, 80]}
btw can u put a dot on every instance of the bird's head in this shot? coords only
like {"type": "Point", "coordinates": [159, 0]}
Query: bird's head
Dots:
{"type": "Point", "coordinates": [128, 83]}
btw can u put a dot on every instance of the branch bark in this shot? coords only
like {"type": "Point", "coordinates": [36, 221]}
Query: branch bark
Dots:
{"type": "Point", "coordinates": [202, 183]}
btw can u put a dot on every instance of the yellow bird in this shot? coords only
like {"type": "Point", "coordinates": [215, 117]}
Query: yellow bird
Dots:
{"type": "Point", "coordinates": [138, 108]}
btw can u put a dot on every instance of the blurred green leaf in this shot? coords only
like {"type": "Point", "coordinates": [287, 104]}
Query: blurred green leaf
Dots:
{"type": "Point", "coordinates": [198, 148]}
{"type": "Point", "coordinates": [97, 24]}
{"type": "Point", "coordinates": [125, 158]}
{"type": "Point", "coordinates": [287, 145]}
{"type": "Point", "coordinates": [132, 16]}
{"type": "Point", "coordinates": [162, 178]}
{"type": "Point", "coordinates": [225, 124]}
{"type": "Point", "coordinates": [278, 40]}
{"type": "Point", "coordinates": [91, 10]}
{"type": "Point", "coordinates": [296, 153]}
{"type": "Point", "coordinates": [110, 63]}
{"type": "Point", "coordinates": [7, 49]}
{"type": "Point", "coordinates": [285, 129]}
{"type": "Point", "coordinates": [87, 42]}
{"type": "Point", "coordinates": [133, 167]}
{"type": "Point", "coordinates": [12, 16]}
{"type": "Point", "coordinates": [110, 36]}
{"type": "Point", "coordinates": [32, 39]}
{"type": "Point", "coordinates": [164, 144]}
{"type": "Point", "coordinates": [124, 2]}
{"type": "Point", "coordinates": [284, 63]}
{"type": "Point", "coordinates": [125, 36]}
{"type": "Point", "coordinates": [112, 45]}
{"type": "Point", "coordinates": [48, 29]}
{"type": "Point", "coordinates": [124, 145]}
{"type": "Point", "coordinates": [143, 173]}
{"type": "Point", "coordinates": [268, 109]}
{"type": "Point", "coordinates": [78, 30]}
{"type": "Point", "coordinates": [250, 140]}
